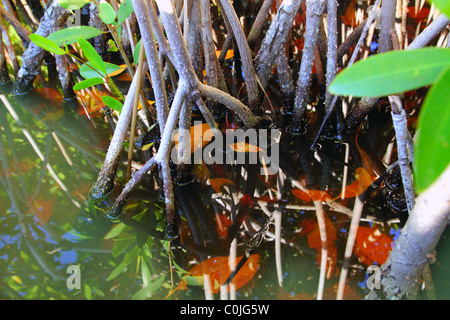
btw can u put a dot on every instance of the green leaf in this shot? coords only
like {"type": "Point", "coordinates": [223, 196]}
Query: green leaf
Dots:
{"type": "Point", "coordinates": [72, 4]}
{"type": "Point", "coordinates": [124, 12]}
{"type": "Point", "coordinates": [87, 83]}
{"type": "Point", "coordinates": [432, 153]}
{"type": "Point", "coordinates": [87, 72]}
{"type": "Point", "coordinates": [116, 230]}
{"type": "Point", "coordinates": [113, 104]}
{"type": "Point", "coordinates": [137, 50]}
{"type": "Point", "coordinates": [107, 13]}
{"type": "Point", "coordinates": [112, 46]}
{"type": "Point", "coordinates": [146, 276]}
{"type": "Point", "coordinates": [46, 44]}
{"type": "Point", "coordinates": [87, 291]}
{"type": "Point", "coordinates": [118, 270]}
{"type": "Point", "coordinates": [148, 291]}
{"type": "Point", "coordinates": [72, 34]}
{"type": "Point", "coordinates": [94, 58]}
{"type": "Point", "coordinates": [443, 6]}
{"type": "Point", "coordinates": [131, 255]}
{"type": "Point", "coordinates": [122, 244]}
{"type": "Point", "coordinates": [391, 72]}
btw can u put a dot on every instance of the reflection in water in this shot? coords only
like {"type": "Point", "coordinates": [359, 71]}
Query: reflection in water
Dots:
{"type": "Point", "coordinates": [51, 152]}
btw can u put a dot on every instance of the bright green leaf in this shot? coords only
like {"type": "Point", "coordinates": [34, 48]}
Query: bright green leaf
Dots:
{"type": "Point", "coordinates": [122, 244]}
{"type": "Point", "coordinates": [432, 153]}
{"type": "Point", "coordinates": [72, 4]}
{"type": "Point", "coordinates": [131, 255]}
{"type": "Point", "coordinates": [118, 270]}
{"type": "Point", "coordinates": [112, 46]}
{"type": "Point", "coordinates": [87, 72]}
{"type": "Point", "coordinates": [148, 291]}
{"type": "Point", "coordinates": [72, 34]}
{"type": "Point", "coordinates": [112, 103]}
{"type": "Point", "coordinates": [94, 58]}
{"type": "Point", "coordinates": [443, 6]}
{"type": "Point", "coordinates": [137, 50]}
{"type": "Point", "coordinates": [391, 72]}
{"type": "Point", "coordinates": [46, 44]}
{"type": "Point", "coordinates": [87, 291]}
{"type": "Point", "coordinates": [87, 83]}
{"type": "Point", "coordinates": [107, 13]}
{"type": "Point", "coordinates": [145, 272]}
{"type": "Point", "coordinates": [116, 230]}
{"type": "Point", "coordinates": [124, 12]}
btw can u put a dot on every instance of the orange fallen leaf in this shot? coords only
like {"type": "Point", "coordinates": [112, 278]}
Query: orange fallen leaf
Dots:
{"type": "Point", "coordinates": [218, 270]}
{"type": "Point", "coordinates": [223, 222]}
{"type": "Point", "coordinates": [201, 172]}
{"type": "Point", "coordinates": [218, 183]}
{"type": "Point", "coordinates": [119, 71]}
{"type": "Point", "coordinates": [198, 136]}
{"type": "Point", "coordinates": [310, 195]}
{"type": "Point", "coordinates": [315, 242]}
{"type": "Point", "coordinates": [229, 55]}
{"type": "Point", "coordinates": [372, 246]}
{"type": "Point", "coordinates": [19, 167]}
{"type": "Point", "coordinates": [244, 147]}
{"type": "Point", "coordinates": [42, 210]}
{"type": "Point", "coordinates": [349, 294]}
{"type": "Point", "coordinates": [359, 185]}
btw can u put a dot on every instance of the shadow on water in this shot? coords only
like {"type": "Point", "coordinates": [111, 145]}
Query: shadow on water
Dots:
{"type": "Point", "coordinates": [50, 156]}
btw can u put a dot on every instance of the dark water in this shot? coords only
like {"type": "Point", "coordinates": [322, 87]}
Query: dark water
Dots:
{"type": "Point", "coordinates": [56, 244]}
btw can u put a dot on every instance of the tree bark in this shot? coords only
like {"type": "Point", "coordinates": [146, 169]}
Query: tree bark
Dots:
{"type": "Point", "coordinates": [414, 249]}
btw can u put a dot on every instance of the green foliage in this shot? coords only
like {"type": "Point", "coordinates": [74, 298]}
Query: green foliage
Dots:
{"type": "Point", "coordinates": [396, 72]}
{"type": "Point", "coordinates": [391, 72]}
{"type": "Point", "coordinates": [433, 141]}
{"type": "Point", "coordinates": [46, 44]}
{"type": "Point", "coordinates": [72, 34]}
{"type": "Point", "coordinates": [443, 6]}
{"type": "Point", "coordinates": [125, 10]}
{"type": "Point", "coordinates": [107, 13]}
{"type": "Point", "coordinates": [88, 71]}
{"type": "Point", "coordinates": [87, 83]}
{"type": "Point", "coordinates": [137, 50]}
{"type": "Point", "coordinates": [73, 4]}
{"type": "Point", "coordinates": [92, 55]}
{"type": "Point", "coordinates": [112, 103]}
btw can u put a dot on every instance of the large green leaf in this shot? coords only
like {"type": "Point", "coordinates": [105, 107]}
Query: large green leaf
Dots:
{"type": "Point", "coordinates": [432, 153]}
{"type": "Point", "coordinates": [46, 44]}
{"type": "Point", "coordinates": [72, 4]}
{"type": "Point", "coordinates": [87, 83]}
{"type": "Point", "coordinates": [148, 291]}
{"type": "Point", "coordinates": [113, 104]}
{"type": "Point", "coordinates": [443, 6]}
{"type": "Point", "coordinates": [94, 58]}
{"type": "Point", "coordinates": [72, 34]}
{"type": "Point", "coordinates": [125, 9]}
{"type": "Point", "coordinates": [87, 72]}
{"type": "Point", "coordinates": [107, 13]}
{"type": "Point", "coordinates": [391, 72]}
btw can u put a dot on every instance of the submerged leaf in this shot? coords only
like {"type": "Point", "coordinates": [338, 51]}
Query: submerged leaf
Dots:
{"type": "Point", "coordinates": [315, 242]}
{"type": "Point", "coordinates": [218, 270]}
{"type": "Point", "coordinates": [218, 183]}
{"type": "Point", "coordinates": [372, 246]}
